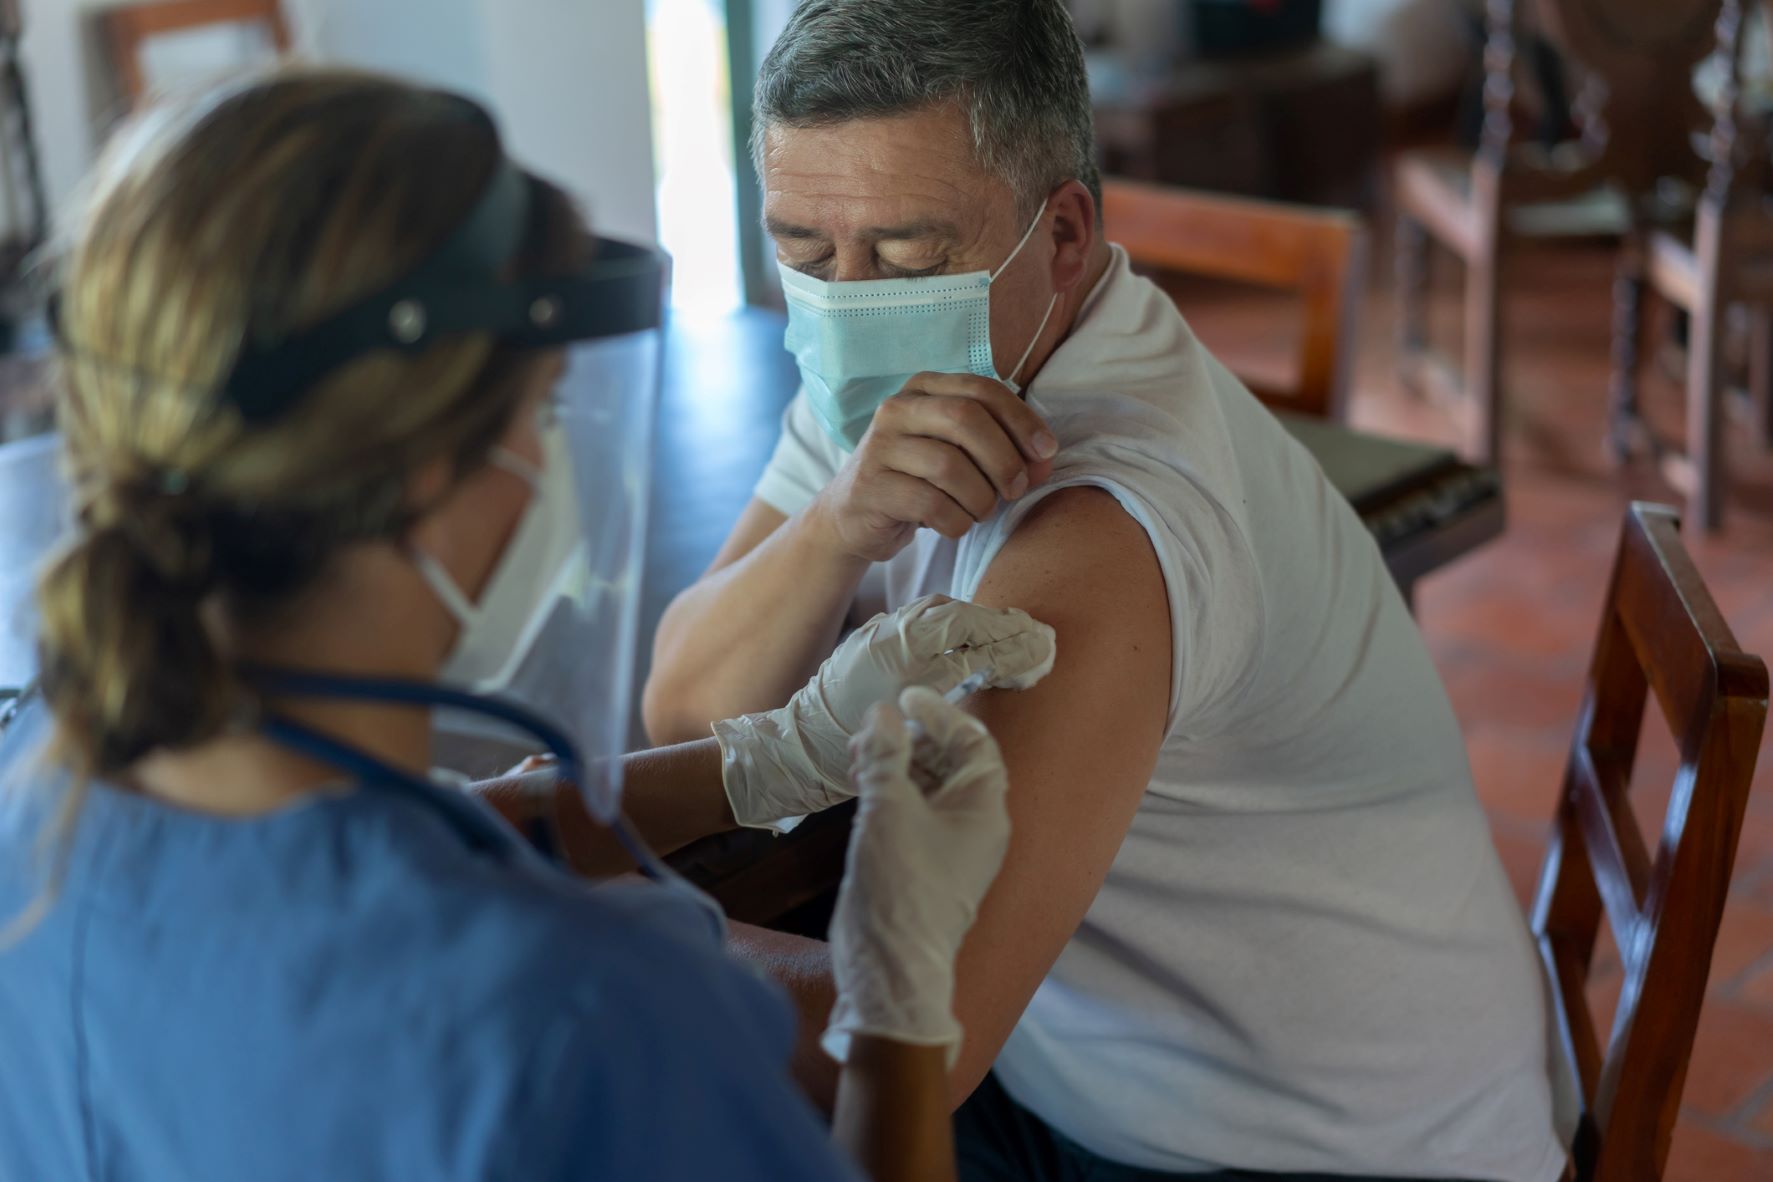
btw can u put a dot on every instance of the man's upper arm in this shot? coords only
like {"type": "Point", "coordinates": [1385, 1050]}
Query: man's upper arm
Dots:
{"type": "Point", "coordinates": [1081, 746]}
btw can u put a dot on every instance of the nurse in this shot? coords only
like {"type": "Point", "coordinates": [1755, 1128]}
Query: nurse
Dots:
{"type": "Point", "coordinates": [328, 416]}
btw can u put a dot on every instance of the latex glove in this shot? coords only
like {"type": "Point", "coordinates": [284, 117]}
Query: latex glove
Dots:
{"type": "Point", "coordinates": [780, 766]}
{"type": "Point", "coordinates": [918, 866]}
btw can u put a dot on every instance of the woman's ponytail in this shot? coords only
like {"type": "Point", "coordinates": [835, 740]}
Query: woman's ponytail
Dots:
{"type": "Point", "coordinates": [128, 662]}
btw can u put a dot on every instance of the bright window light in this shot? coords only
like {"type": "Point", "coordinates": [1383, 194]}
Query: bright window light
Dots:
{"type": "Point", "coordinates": [692, 143]}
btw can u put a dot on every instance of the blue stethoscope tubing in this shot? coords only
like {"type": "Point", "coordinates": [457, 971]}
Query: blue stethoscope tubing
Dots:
{"type": "Point", "coordinates": [473, 826]}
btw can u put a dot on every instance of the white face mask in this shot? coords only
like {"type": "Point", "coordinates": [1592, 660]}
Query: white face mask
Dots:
{"type": "Point", "coordinates": [858, 342]}
{"type": "Point", "coordinates": [497, 632]}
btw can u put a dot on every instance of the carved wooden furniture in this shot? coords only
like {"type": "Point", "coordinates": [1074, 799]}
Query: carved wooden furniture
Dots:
{"type": "Point", "coordinates": [1636, 111]}
{"type": "Point", "coordinates": [1300, 125]}
{"type": "Point", "coordinates": [1725, 259]}
{"type": "Point", "coordinates": [1660, 632]}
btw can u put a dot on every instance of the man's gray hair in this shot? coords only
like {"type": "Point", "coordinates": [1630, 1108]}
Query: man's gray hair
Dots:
{"type": "Point", "coordinates": [1015, 67]}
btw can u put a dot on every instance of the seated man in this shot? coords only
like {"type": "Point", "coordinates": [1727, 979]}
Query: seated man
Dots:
{"type": "Point", "coordinates": [1251, 917]}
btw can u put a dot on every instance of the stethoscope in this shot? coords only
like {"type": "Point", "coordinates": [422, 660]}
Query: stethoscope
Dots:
{"type": "Point", "coordinates": [479, 829]}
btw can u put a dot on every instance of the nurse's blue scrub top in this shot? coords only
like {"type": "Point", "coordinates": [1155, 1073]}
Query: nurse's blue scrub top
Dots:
{"type": "Point", "coordinates": [347, 989]}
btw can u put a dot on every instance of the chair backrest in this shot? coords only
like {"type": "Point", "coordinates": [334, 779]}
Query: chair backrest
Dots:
{"type": "Point", "coordinates": [1635, 102]}
{"type": "Point", "coordinates": [1661, 632]}
{"type": "Point", "coordinates": [1318, 253]}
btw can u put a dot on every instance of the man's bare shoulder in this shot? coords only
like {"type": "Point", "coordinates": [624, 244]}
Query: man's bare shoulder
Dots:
{"type": "Point", "coordinates": [1076, 541]}
{"type": "Point", "coordinates": [1081, 563]}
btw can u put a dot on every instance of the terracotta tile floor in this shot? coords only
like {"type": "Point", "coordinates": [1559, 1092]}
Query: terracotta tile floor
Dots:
{"type": "Point", "coordinates": [1512, 627]}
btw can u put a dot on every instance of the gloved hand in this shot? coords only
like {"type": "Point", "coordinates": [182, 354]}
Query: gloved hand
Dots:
{"type": "Point", "coordinates": [782, 765]}
{"type": "Point", "coordinates": [918, 866]}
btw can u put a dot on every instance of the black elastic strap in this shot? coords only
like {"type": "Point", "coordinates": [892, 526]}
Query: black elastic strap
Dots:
{"type": "Point", "coordinates": [458, 290]}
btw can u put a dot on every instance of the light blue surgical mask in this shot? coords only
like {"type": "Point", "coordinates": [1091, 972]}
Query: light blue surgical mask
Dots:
{"type": "Point", "coordinates": [857, 343]}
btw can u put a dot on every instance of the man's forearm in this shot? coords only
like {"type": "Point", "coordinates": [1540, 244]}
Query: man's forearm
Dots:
{"type": "Point", "coordinates": [745, 637]}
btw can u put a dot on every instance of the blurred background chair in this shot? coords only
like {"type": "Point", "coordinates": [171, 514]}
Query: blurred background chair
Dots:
{"type": "Point", "coordinates": [1632, 117]}
{"type": "Point", "coordinates": [1660, 631]}
{"type": "Point", "coordinates": [1424, 505]}
{"type": "Point", "coordinates": [1723, 260]}
{"type": "Point", "coordinates": [1320, 254]}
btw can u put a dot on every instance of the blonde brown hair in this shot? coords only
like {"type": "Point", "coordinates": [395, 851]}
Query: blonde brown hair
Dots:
{"type": "Point", "coordinates": [248, 216]}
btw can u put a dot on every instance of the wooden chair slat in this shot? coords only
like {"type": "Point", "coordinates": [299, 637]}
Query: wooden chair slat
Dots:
{"type": "Point", "coordinates": [1569, 976]}
{"type": "Point", "coordinates": [1661, 631]}
{"type": "Point", "coordinates": [1616, 853]}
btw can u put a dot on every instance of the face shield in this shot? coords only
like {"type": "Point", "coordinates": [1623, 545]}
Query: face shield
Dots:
{"type": "Point", "coordinates": [575, 665]}
{"type": "Point", "coordinates": [572, 668]}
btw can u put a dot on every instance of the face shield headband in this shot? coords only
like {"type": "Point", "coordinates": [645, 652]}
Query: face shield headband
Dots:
{"type": "Point", "coordinates": [457, 291]}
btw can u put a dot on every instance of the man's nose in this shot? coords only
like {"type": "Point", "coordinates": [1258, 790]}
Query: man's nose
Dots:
{"type": "Point", "coordinates": [855, 262]}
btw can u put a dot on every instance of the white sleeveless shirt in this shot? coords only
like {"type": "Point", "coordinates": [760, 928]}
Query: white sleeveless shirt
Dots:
{"type": "Point", "coordinates": [1306, 956]}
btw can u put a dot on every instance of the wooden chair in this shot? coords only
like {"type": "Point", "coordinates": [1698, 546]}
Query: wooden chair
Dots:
{"type": "Point", "coordinates": [1660, 632]}
{"type": "Point", "coordinates": [1424, 507]}
{"type": "Point", "coordinates": [1636, 110]}
{"type": "Point", "coordinates": [1320, 254]}
{"type": "Point", "coordinates": [128, 28]}
{"type": "Point", "coordinates": [1726, 259]}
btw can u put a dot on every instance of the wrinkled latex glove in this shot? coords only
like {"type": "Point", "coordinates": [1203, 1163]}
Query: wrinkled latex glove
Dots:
{"type": "Point", "coordinates": [783, 765]}
{"type": "Point", "coordinates": [919, 863]}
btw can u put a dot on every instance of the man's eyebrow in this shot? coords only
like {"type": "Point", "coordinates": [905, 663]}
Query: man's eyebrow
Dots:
{"type": "Point", "coordinates": [780, 229]}
{"type": "Point", "coordinates": [928, 228]}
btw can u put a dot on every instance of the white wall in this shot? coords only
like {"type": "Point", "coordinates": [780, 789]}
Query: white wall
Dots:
{"type": "Point", "coordinates": [567, 78]}
{"type": "Point", "coordinates": [53, 57]}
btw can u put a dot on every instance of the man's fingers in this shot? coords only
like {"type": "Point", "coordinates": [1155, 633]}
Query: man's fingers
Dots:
{"type": "Point", "coordinates": [967, 425]}
{"type": "Point", "coordinates": [1021, 421]}
{"type": "Point", "coordinates": [906, 498]}
{"type": "Point", "coordinates": [949, 469]}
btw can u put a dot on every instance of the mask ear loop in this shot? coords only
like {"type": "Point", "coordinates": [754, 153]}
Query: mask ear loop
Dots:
{"type": "Point", "coordinates": [1026, 235]}
{"type": "Point", "coordinates": [526, 470]}
{"type": "Point", "coordinates": [1029, 351]}
{"type": "Point", "coordinates": [436, 576]}
{"type": "Point", "coordinates": [1051, 304]}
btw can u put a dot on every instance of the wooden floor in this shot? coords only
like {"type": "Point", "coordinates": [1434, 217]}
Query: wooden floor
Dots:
{"type": "Point", "coordinates": [1511, 627]}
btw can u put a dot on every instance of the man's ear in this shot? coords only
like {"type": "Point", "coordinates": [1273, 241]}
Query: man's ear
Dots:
{"type": "Point", "coordinates": [1074, 233]}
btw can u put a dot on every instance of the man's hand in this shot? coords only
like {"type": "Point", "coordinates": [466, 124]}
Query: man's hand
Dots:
{"type": "Point", "coordinates": [940, 454]}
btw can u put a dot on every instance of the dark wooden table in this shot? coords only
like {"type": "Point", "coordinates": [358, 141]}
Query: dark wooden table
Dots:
{"type": "Point", "coordinates": [1301, 125]}
{"type": "Point", "coordinates": [1424, 505]}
